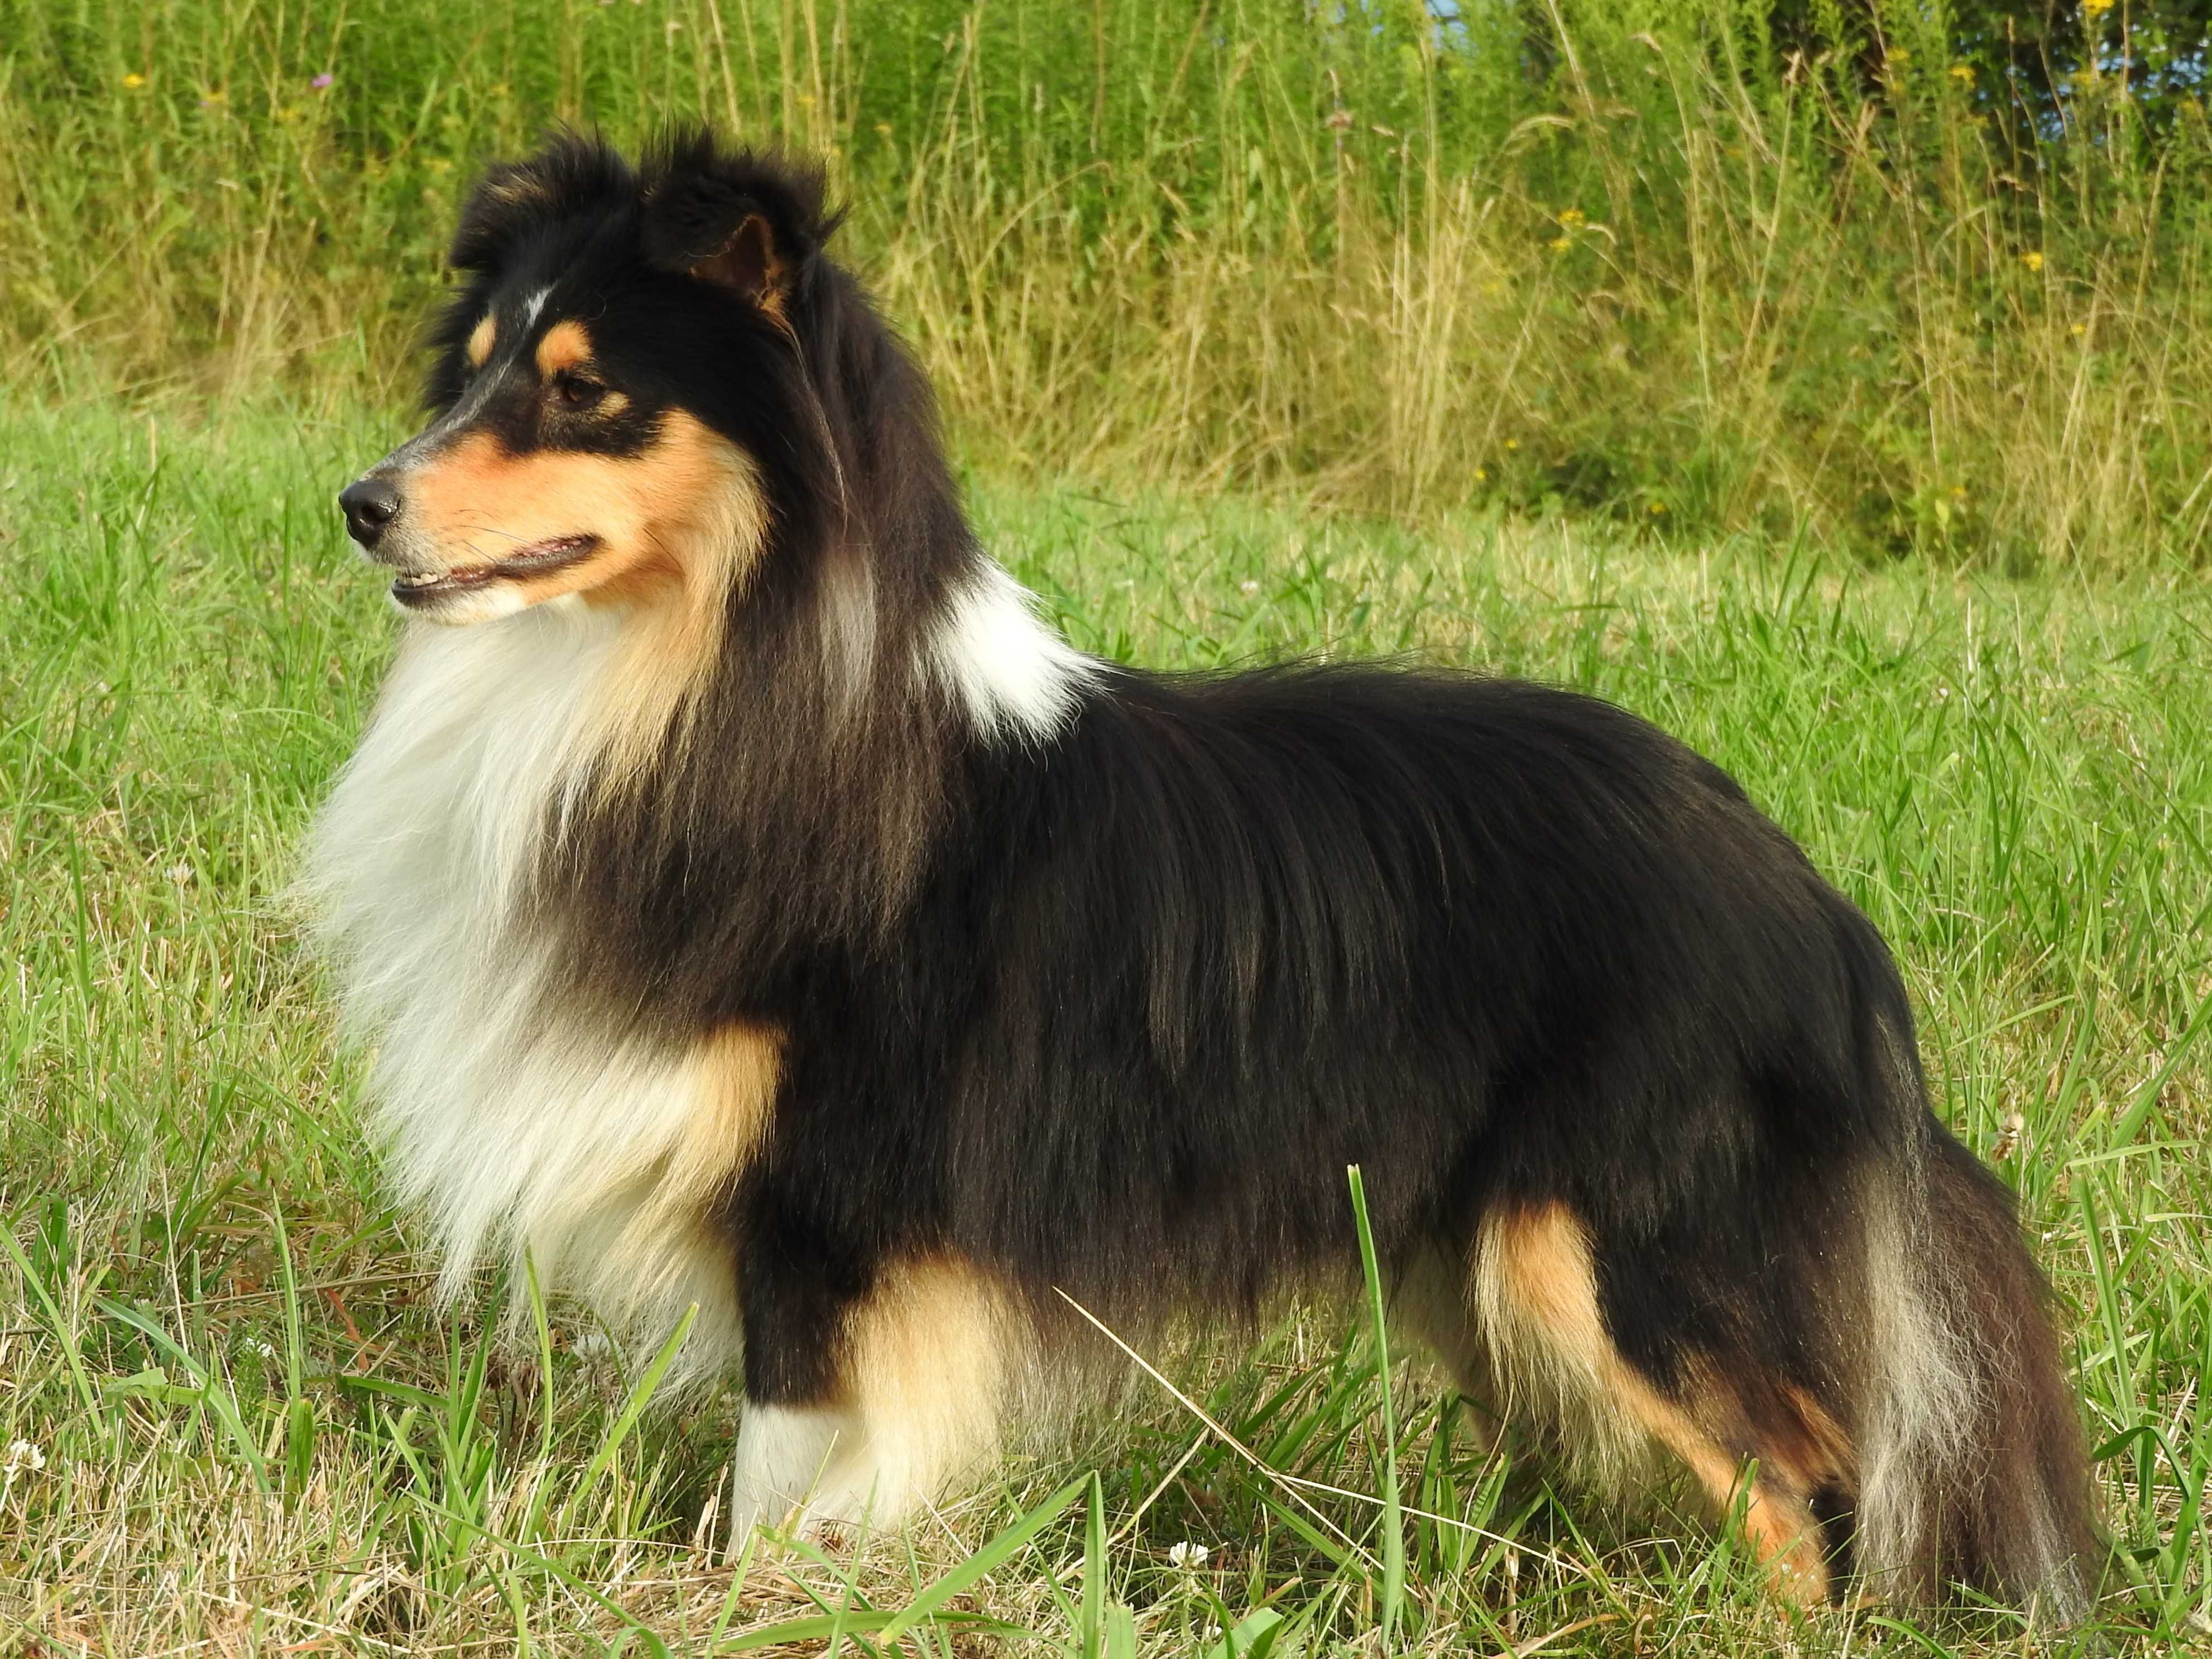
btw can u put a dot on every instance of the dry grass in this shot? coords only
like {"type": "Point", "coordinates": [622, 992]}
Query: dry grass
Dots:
{"type": "Point", "coordinates": [1671, 278]}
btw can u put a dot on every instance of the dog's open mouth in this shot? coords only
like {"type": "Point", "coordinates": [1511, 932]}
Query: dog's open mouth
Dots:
{"type": "Point", "coordinates": [418, 589]}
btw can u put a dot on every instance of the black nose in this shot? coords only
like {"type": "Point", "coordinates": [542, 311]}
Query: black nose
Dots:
{"type": "Point", "coordinates": [369, 504]}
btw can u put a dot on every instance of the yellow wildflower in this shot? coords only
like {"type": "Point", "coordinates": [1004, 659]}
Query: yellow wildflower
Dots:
{"type": "Point", "coordinates": [2093, 9]}
{"type": "Point", "coordinates": [2033, 259]}
{"type": "Point", "coordinates": [134, 81]}
{"type": "Point", "coordinates": [1655, 509]}
{"type": "Point", "coordinates": [1570, 218]}
{"type": "Point", "coordinates": [1513, 443]}
{"type": "Point", "coordinates": [1962, 72]}
{"type": "Point", "coordinates": [1561, 244]}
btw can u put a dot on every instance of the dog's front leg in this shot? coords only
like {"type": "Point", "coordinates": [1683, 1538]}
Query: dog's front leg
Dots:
{"type": "Point", "coordinates": [871, 1386]}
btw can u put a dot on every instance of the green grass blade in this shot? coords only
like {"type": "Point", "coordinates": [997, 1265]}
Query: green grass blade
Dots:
{"type": "Point", "coordinates": [1253, 1637]}
{"type": "Point", "coordinates": [1121, 1633]}
{"type": "Point", "coordinates": [219, 1398]}
{"type": "Point", "coordinates": [88, 1396]}
{"type": "Point", "coordinates": [1394, 1521]}
{"type": "Point", "coordinates": [634, 1405]}
{"type": "Point", "coordinates": [995, 1554]}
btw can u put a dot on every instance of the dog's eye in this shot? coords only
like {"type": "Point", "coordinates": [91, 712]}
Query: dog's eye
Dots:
{"type": "Point", "coordinates": [577, 392]}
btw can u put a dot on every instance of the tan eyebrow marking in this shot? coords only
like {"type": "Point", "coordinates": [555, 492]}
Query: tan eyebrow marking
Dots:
{"type": "Point", "coordinates": [481, 340]}
{"type": "Point", "coordinates": [565, 345]}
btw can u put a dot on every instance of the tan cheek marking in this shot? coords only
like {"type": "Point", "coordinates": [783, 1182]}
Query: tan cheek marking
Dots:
{"type": "Point", "coordinates": [1538, 1288]}
{"type": "Point", "coordinates": [566, 344]}
{"type": "Point", "coordinates": [687, 510]}
{"type": "Point", "coordinates": [697, 495]}
{"type": "Point", "coordinates": [711, 525]}
{"type": "Point", "coordinates": [679, 528]}
{"type": "Point", "coordinates": [482, 338]}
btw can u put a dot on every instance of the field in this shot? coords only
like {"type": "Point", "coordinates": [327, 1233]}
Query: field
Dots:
{"type": "Point", "coordinates": [235, 1423]}
{"type": "Point", "coordinates": [1843, 413]}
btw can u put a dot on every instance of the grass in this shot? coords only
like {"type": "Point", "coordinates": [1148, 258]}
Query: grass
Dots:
{"type": "Point", "coordinates": [1636, 262]}
{"type": "Point", "coordinates": [243, 1428]}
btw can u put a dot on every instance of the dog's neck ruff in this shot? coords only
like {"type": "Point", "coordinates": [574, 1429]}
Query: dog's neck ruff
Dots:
{"type": "Point", "coordinates": [515, 1122]}
{"type": "Point", "coordinates": [508, 1124]}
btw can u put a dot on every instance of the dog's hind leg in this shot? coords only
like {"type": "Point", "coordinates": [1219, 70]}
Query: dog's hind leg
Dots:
{"type": "Point", "coordinates": [900, 1394]}
{"type": "Point", "coordinates": [1538, 1314]}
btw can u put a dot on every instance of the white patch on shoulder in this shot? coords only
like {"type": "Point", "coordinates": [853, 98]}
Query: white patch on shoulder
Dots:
{"type": "Point", "coordinates": [1011, 673]}
{"type": "Point", "coordinates": [508, 1126]}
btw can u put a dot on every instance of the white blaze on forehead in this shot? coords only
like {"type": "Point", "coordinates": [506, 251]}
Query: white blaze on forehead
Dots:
{"type": "Point", "coordinates": [1011, 673]}
{"type": "Point", "coordinates": [482, 386]}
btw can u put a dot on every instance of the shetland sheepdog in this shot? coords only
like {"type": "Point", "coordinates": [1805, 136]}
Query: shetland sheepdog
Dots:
{"type": "Point", "coordinates": [754, 907]}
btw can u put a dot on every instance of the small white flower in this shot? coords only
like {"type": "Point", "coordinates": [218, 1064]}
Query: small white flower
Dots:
{"type": "Point", "coordinates": [595, 1347]}
{"type": "Point", "coordinates": [180, 873]}
{"type": "Point", "coordinates": [23, 1458]}
{"type": "Point", "coordinates": [1188, 1555]}
{"type": "Point", "coordinates": [1249, 587]}
{"type": "Point", "coordinates": [262, 1346]}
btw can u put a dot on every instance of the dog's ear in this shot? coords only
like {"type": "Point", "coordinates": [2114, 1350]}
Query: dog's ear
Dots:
{"type": "Point", "coordinates": [514, 196]}
{"type": "Point", "coordinates": [749, 263]}
{"type": "Point", "coordinates": [505, 199]}
{"type": "Point", "coordinates": [743, 222]}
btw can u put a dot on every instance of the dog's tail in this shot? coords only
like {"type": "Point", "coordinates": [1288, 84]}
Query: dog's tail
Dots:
{"type": "Point", "coordinates": [1972, 1460]}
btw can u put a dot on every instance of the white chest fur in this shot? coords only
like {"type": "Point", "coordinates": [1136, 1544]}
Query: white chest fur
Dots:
{"type": "Point", "coordinates": [513, 1127]}
{"type": "Point", "coordinates": [510, 1127]}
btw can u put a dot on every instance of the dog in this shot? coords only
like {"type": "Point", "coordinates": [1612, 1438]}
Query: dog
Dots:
{"type": "Point", "coordinates": [759, 914]}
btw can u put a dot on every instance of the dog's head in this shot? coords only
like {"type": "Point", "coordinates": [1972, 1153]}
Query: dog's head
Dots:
{"type": "Point", "coordinates": [621, 352]}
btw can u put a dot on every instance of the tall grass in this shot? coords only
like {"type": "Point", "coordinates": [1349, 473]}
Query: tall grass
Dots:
{"type": "Point", "coordinates": [1605, 256]}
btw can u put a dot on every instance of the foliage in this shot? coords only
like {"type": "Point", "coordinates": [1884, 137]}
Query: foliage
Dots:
{"type": "Point", "coordinates": [1702, 268]}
